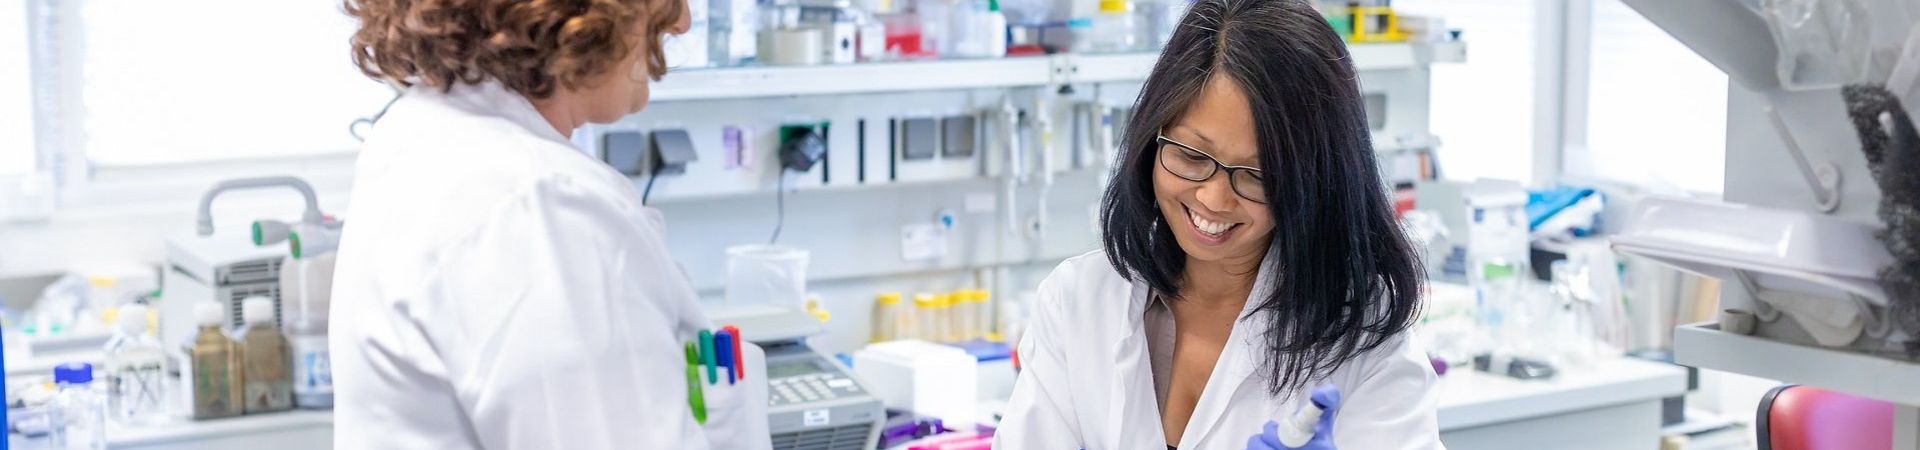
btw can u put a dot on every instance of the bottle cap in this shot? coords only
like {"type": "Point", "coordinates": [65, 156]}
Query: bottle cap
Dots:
{"type": "Point", "coordinates": [255, 310]}
{"type": "Point", "coordinates": [133, 319]}
{"type": "Point", "coordinates": [925, 301]}
{"type": "Point", "coordinates": [209, 314]}
{"type": "Point", "coordinates": [890, 298]}
{"type": "Point", "coordinates": [73, 373]}
{"type": "Point", "coordinates": [1114, 6]}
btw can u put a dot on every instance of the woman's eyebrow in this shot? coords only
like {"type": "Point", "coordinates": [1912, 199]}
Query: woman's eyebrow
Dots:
{"type": "Point", "coordinates": [1196, 133]}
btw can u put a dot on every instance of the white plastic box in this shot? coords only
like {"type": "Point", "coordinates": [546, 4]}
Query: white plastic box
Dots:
{"type": "Point", "coordinates": [923, 377]}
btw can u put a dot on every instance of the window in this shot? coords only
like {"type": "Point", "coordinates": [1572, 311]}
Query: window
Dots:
{"type": "Point", "coordinates": [169, 82]}
{"type": "Point", "coordinates": [1656, 111]}
{"type": "Point", "coordinates": [16, 93]}
{"type": "Point", "coordinates": [1483, 109]}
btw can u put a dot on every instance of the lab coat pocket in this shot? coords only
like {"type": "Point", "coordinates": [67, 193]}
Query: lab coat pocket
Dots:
{"type": "Point", "coordinates": [737, 412]}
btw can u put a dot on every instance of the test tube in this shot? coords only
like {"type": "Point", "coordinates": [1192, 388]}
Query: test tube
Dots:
{"type": "Point", "coordinates": [943, 321]}
{"type": "Point", "coordinates": [925, 309]}
{"type": "Point", "coordinates": [886, 317]}
{"type": "Point", "coordinates": [983, 312]}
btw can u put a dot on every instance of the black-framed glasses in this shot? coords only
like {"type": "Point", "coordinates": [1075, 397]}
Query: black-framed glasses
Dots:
{"type": "Point", "coordinates": [1191, 164]}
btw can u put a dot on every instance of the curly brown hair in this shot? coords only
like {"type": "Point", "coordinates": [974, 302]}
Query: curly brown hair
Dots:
{"type": "Point", "coordinates": [530, 46]}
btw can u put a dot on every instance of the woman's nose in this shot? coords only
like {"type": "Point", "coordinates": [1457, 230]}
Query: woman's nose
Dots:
{"type": "Point", "coordinates": [1216, 194]}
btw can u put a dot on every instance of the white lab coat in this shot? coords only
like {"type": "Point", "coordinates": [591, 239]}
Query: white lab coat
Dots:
{"type": "Point", "coordinates": [498, 288]}
{"type": "Point", "coordinates": [1086, 381]}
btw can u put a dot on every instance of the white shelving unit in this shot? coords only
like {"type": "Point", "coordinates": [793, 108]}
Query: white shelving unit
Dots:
{"type": "Point", "coordinates": [1705, 346]}
{"type": "Point", "coordinates": [1897, 381]}
{"type": "Point", "coordinates": [780, 81]}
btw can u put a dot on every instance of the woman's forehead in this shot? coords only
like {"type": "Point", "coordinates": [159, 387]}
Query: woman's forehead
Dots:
{"type": "Point", "coordinates": [1219, 122]}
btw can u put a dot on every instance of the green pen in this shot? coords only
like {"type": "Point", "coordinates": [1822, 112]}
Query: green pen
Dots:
{"type": "Point", "coordinates": [695, 398]}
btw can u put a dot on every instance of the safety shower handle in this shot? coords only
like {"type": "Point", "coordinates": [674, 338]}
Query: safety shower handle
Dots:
{"type": "Point", "coordinates": [312, 214]}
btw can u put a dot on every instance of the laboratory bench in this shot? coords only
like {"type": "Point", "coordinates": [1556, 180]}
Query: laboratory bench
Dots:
{"type": "Point", "coordinates": [292, 430]}
{"type": "Point", "coordinates": [1613, 404]}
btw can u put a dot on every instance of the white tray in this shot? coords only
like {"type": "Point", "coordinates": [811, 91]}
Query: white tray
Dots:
{"type": "Point", "coordinates": [1792, 251]}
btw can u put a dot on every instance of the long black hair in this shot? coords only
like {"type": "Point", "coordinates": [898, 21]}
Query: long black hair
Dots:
{"type": "Point", "coordinates": [1347, 279]}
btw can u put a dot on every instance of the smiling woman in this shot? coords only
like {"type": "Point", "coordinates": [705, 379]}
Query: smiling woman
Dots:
{"type": "Point", "coordinates": [1250, 256]}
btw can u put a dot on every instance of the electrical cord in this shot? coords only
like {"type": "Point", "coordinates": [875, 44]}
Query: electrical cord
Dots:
{"type": "Point", "coordinates": [779, 207]}
{"type": "Point", "coordinates": [648, 192]}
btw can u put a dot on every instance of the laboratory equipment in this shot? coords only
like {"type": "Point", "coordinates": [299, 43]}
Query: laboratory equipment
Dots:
{"type": "Point", "coordinates": [732, 31]}
{"type": "Point", "coordinates": [212, 373]}
{"type": "Point", "coordinates": [815, 402]}
{"type": "Point", "coordinates": [983, 317]}
{"type": "Point", "coordinates": [1295, 430]}
{"type": "Point", "coordinates": [891, 318]}
{"type": "Point", "coordinates": [926, 309]}
{"type": "Point", "coordinates": [77, 415]}
{"type": "Point", "coordinates": [1374, 24]}
{"type": "Point", "coordinates": [224, 265]}
{"type": "Point", "coordinates": [306, 286]}
{"type": "Point", "coordinates": [992, 26]}
{"type": "Point", "coordinates": [1162, 17]}
{"type": "Point", "coordinates": [1113, 28]}
{"type": "Point", "coordinates": [266, 368]}
{"type": "Point", "coordinates": [766, 274]}
{"type": "Point", "coordinates": [791, 46]}
{"type": "Point", "coordinates": [1820, 272]}
{"type": "Point", "coordinates": [922, 377]}
{"type": "Point", "coordinates": [136, 376]}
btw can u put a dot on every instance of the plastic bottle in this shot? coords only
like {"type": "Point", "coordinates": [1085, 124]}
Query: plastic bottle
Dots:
{"type": "Point", "coordinates": [306, 288]}
{"type": "Point", "coordinates": [78, 417]}
{"type": "Point", "coordinates": [265, 364]}
{"type": "Point", "coordinates": [1113, 27]}
{"type": "Point", "coordinates": [887, 310]}
{"type": "Point", "coordinates": [135, 370]}
{"type": "Point", "coordinates": [993, 29]}
{"type": "Point", "coordinates": [215, 368]}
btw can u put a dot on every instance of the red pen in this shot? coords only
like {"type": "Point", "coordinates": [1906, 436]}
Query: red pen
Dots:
{"type": "Point", "coordinates": [739, 363]}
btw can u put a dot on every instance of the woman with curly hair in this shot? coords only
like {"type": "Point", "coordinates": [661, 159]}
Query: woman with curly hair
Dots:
{"type": "Point", "coordinates": [496, 287]}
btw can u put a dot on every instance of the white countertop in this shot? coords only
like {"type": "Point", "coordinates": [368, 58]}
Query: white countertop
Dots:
{"type": "Point", "coordinates": [186, 431]}
{"type": "Point", "coordinates": [1470, 398]}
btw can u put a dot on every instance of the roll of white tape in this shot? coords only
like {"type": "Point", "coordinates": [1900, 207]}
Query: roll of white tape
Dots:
{"type": "Point", "coordinates": [792, 47]}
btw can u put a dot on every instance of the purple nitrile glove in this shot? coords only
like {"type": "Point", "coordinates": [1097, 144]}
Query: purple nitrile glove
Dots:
{"type": "Point", "coordinates": [1327, 398]}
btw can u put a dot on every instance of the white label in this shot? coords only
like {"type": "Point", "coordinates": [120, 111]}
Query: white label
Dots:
{"type": "Point", "coordinates": [980, 202]}
{"type": "Point", "coordinates": [922, 241]}
{"type": "Point", "coordinates": [816, 417]}
{"type": "Point", "coordinates": [312, 366]}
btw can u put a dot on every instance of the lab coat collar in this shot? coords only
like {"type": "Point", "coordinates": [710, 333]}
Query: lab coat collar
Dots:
{"type": "Point", "coordinates": [1231, 373]}
{"type": "Point", "coordinates": [490, 98]}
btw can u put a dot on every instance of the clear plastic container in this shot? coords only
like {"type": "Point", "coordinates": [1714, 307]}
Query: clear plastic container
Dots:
{"type": "Point", "coordinates": [306, 291]}
{"type": "Point", "coordinates": [266, 367]}
{"type": "Point", "coordinates": [136, 373]}
{"type": "Point", "coordinates": [960, 316]}
{"type": "Point", "coordinates": [77, 415]}
{"type": "Point", "coordinates": [888, 311]}
{"type": "Point", "coordinates": [926, 308]}
{"type": "Point", "coordinates": [1114, 28]}
{"type": "Point", "coordinates": [766, 274]}
{"type": "Point", "coordinates": [983, 314]}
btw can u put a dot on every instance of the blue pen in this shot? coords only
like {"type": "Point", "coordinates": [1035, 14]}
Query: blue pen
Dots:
{"type": "Point", "coordinates": [707, 356]}
{"type": "Point", "coordinates": [722, 344]}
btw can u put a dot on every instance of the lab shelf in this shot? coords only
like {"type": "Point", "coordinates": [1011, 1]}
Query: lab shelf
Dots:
{"type": "Point", "coordinates": [780, 81]}
{"type": "Point", "coordinates": [1705, 346]}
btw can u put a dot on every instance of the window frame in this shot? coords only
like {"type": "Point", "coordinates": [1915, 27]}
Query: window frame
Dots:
{"type": "Point", "coordinates": [1562, 57]}
{"type": "Point", "coordinates": [73, 185]}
